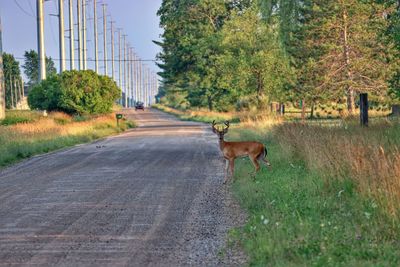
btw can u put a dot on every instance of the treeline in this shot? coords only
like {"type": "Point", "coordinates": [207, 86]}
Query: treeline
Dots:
{"type": "Point", "coordinates": [13, 78]}
{"type": "Point", "coordinates": [238, 54]}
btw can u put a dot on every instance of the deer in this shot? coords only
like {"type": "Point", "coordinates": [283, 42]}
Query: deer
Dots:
{"type": "Point", "coordinates": [256, 151]}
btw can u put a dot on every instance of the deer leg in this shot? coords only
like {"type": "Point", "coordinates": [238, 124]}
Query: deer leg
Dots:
{"type": "Point", "coordinates": [255, 163]}
{"type": "Point", "coordinates": [232, 167]}
{"type": "Point", "coordinates": [226, 171]}
{"type": "Point", "coordinates": [266, 161]}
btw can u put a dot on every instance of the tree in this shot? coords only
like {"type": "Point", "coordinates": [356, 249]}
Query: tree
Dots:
{"type": "Point", "coordinates": [81, 92]}
{"type": "Point", "coordinates": [12, 79]}
{"type": "Point", "coordinates": [254, 66]}
{"type": "Point", "coordinates": [349, 55]}
{"type": "Point", "coordinates": [31, 67]}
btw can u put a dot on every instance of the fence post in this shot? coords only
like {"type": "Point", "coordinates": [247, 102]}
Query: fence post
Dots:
{"type": "Point", "coordinates": [282, 109]}
{"type": "Point", "coordinates": [364, 109]}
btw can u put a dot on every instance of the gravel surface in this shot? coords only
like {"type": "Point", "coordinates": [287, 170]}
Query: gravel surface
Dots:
{"type": "Point", "coordinates": [152, 196]}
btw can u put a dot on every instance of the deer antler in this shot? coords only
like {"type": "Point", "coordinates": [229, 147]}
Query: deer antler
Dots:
{"type": "Point", "coordinates": [213, 126]}
{"type": "Point", "coordinates": [227, 126]}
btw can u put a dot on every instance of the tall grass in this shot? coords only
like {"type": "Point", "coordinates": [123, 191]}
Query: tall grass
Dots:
{"type": "Point", "coordinates": [317, 207]}
{"type": "Point", "coordinates": [44, 134]}
{"type": "Point", "coordinates": [370, 157]}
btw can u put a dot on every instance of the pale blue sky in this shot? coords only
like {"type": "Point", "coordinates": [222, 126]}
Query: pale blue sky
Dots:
{"type": "Point", "coordinates": [137, 18]}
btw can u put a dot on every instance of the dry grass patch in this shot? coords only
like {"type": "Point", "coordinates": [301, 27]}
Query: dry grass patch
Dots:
{"type": "Point", "coordinates": [368, 156]}
{"type": "Point", "coordinates": [45, 133]}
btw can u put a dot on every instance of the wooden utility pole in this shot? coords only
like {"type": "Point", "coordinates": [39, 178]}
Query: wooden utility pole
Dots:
{"type": "Point", "coordinates": [135, 76]}
{"type": "Point", "coordinates": [40, 40]}
{"type": "Point", "coordinates": [128, 75]}
{"type": "Point", "coordinates": [84, 49]}
{"type": "Point", "coordinates": [80, 54]}
{"type": "Point", "coordinates": [11, 91]}
{"type": "Point", "coordinates": [141, 82]}
{"type": "Point", "coordinates": [2, 81]}
{"type": "Point", "coordinates": [71, 36]}
{"type": "Point", "coordinates": [112, 51]}
{"type": "Point", "coordinates": [61, 34]}
{"type": "Point", "coordinates": [132, 76]}
{"type": "Point", "coordinates": [125, 89]}
{"type": "Point", "coordinates": [96, 49]}
{"type": "Point", "coordinates": [105, 39]}
{"type": "Point", "coordinates": [119, 58]}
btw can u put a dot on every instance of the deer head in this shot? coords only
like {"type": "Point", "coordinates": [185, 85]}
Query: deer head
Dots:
{"type": "Point", "coordinates": [222, 132]}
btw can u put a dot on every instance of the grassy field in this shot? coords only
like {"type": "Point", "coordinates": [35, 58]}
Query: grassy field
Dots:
{"type": "Point", "coordinates": [27, 133]}
{"type": "Point", "coordinates": [317, 207]}
{"type": "Point", "coordinates": [332, 196]}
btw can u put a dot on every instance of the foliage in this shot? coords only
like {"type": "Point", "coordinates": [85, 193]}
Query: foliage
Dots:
{"type": "Point", "coordinates": [12, 80]}
{"type": "Point", "coordinates": [82, 92]}
{"type": "Point", "coordinates": [31, 67]}
{"type": "Point", "coordinates": [240, 54]}
{"type": "Point", "coordinates": [253, 66]}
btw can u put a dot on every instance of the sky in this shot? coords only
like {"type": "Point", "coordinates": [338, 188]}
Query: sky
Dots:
{"type": "Point", "coordinates": [137, 18]}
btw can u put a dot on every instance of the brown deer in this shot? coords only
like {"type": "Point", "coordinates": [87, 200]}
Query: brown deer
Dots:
{"type": "Point", "coordinates": [232, 150]}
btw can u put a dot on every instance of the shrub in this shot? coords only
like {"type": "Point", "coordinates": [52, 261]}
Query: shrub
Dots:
{"type": "Point", "coordinates": [75, 92]}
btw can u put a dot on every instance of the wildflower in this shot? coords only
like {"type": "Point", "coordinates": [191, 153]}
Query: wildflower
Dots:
{"type": "Point", "coordinates": [262, 217]}
{"type": "Point", "coordinates": [266, 221]}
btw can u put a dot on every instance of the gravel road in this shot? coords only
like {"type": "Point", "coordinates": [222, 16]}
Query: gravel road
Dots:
{"type": "Point", "coordinates": [152, 196]}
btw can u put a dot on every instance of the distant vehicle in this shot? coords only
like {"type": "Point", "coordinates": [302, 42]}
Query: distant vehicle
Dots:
{"type": "Point", "coordinates": [139, 105]}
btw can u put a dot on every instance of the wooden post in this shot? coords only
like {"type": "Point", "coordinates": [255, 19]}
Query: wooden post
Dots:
{"type": "Point", "coordinates": [282, 109]}
{"type": "Point", "coordinates": [364, 109]}
{"type": "Point", "coordinates": [395, 110]}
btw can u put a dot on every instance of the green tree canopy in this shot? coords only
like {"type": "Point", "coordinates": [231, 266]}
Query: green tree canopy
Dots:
{"type": "Point", "coordinates": [81, 92]}
{"type": "Point", "coordinates": [31, 67]}
{"type": "Point", "coordinates": [12, 78]}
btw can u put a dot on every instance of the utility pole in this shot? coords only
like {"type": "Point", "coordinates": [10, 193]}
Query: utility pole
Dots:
{"type": "Point", "coordinates": [132, 77]}
{"type": "Point", "coordinates": [135, 79]}
{"type": "Point", "coordinates": [2, 81]}
{"type": "Point", "coordinates": [128, 76]}
{"type": "Point", "coordinates": [105, 38]}
{"type": "Point", "coordinates": [11, 92]}
{"type": "Point", "coordinates": [80, 55]}
{"type": "Point", "coordinates": [140, 82]}
{"type": "Point", "coordinates": [146, 86]}
{"type": "Point", "coordinates": [96, 49]}
{"type": "Point", "coordinates": [71, 36]}
{"type": "Point", "coordinates": [126, 93]}
{"type": "Point", "coordinates": [112, 51]}
{"type": "Point", "coordinates": [84, 52]}
{"type": "Point", "coordinates": [40, 39]}
{"type": "Point", "coordinates": [119, 61]}
{"type": "Point", "coordinates": [61, 34]}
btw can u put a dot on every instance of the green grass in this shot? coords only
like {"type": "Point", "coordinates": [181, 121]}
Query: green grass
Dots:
{"type": "Point", "coordinates": [198, 116]}
{"type": "Point", "coordinates": [295, 219]}
{"type": "Point", "coordinates": [20, 116]}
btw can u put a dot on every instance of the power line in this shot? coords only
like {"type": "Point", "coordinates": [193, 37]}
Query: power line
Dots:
{"type": "Point", "coordinates": [108, 60]}
{"type": "Point", "coordinates": [23, 10]}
